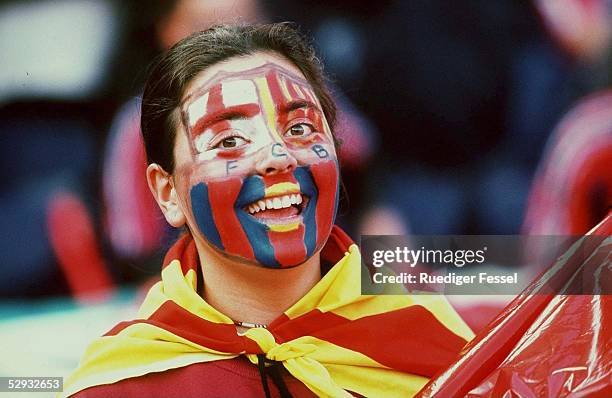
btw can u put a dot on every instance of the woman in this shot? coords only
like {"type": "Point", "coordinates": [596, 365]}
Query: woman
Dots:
{"type": "Point", "coordinates": [237, 125]}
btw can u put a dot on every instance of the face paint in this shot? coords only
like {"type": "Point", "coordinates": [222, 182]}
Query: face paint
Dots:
{"type": "Point", "coordinates": [263, 181]}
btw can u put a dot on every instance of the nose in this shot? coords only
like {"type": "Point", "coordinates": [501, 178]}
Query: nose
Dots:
{"type": "Point", "coordinates": [275, 159]}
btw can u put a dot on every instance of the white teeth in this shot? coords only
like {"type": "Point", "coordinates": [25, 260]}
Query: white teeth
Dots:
{"type": "Point", "coordinates": [278, 202]}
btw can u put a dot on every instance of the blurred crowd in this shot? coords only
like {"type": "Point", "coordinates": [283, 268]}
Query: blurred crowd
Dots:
{"type": "Point", "coordinates": [479, 117]}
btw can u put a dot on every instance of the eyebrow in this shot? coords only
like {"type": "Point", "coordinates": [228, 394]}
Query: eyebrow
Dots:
{"type": "Point", "coordinates": [243, 111]}
{"type": "Point", "coordinates": [297, 104]}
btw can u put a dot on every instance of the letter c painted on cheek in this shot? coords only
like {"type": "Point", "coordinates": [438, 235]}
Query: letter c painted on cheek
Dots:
{"type": "Point", "coordinates": [277, 151]}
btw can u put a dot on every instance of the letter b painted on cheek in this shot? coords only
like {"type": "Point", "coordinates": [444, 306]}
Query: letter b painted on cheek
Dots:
{"type": "Point", "coordinates": [320, 151]}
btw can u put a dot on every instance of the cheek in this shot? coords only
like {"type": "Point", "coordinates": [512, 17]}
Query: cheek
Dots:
{"type": "Point", "coordinates": [203, 186]}
{"type": "Point", "coordinates": [313, 152]}
{"type": "Point", "coordinates": [326, 177]}
{"type": "Point", "coordinates": [219, 169]}
{"type": "Point", "coordinates": [213, 212]}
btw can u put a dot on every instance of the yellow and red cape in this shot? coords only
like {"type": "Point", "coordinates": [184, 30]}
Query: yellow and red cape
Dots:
{"type": "Point", "coordinates": [333, 340]}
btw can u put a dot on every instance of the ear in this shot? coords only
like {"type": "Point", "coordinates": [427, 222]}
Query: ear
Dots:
{"type": "Point", "coordinates": [164, 192]}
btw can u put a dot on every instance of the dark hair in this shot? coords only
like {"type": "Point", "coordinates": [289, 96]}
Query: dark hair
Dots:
{"type": "Point", "coordinates": [171, 73]}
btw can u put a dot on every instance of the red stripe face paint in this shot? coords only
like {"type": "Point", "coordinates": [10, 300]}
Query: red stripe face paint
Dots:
{"type": "Point", "coordinates": [325, 175]}
{"type": "Point", "coordinates": [221, 196]}
{"type": "Point", "coordinates": [295, 239]}
{"type": "Point", "coordinates": [261, 179]}
{"type": "Point", "coordinates": [293, 91]}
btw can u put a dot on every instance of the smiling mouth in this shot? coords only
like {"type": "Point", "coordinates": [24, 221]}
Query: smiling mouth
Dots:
{"type": "Point", "coordinates": [279, 209]}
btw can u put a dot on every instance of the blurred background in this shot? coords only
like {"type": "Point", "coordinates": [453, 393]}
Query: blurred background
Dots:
{"type": "Point", "coordinates": [475, 117]}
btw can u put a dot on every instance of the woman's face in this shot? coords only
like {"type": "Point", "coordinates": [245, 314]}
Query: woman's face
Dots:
{"type": "Point", "coordinates": [256, 170]}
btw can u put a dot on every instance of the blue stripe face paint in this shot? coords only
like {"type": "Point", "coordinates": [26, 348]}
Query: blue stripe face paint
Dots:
{"type": "Point", "coordinates": [252, 190]}
{"type": "Point", "coordinates": [202, 212]}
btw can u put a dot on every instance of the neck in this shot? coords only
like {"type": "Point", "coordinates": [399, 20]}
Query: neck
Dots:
{"type": "Point", "coordinates": [251, 293]}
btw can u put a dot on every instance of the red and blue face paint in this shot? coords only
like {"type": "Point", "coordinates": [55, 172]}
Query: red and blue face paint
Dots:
{"type": "Point", "coordinates": [239, 123]}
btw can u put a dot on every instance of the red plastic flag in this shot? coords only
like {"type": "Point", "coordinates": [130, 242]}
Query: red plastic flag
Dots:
{"type": "Point", "coordinates": [546, 342]}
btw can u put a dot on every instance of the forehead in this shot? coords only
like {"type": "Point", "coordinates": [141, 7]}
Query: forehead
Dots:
{"type": "Point", "coordinates": [235, 69]}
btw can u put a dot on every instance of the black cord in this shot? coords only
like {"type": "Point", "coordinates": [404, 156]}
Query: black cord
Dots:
{"type": "Point", "coordinates": [278, 380]}
{"type": "Point", "coordinates": [261, 364]}
{"type": "Point", "coordinates": [275, 374]}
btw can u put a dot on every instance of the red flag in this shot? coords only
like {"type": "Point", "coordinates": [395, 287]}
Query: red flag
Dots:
{"type": "Point", "coordinates": [546, 342]}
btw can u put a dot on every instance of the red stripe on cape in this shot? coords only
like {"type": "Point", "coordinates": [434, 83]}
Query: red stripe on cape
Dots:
{"type": "Point", "coordinates": [428, 345]}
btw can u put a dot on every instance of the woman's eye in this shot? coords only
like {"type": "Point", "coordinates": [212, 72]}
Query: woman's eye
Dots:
{"type": "Point", "coordinates": [299, 130]}
{"type": "Point", "coordinates": [231, 142]}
